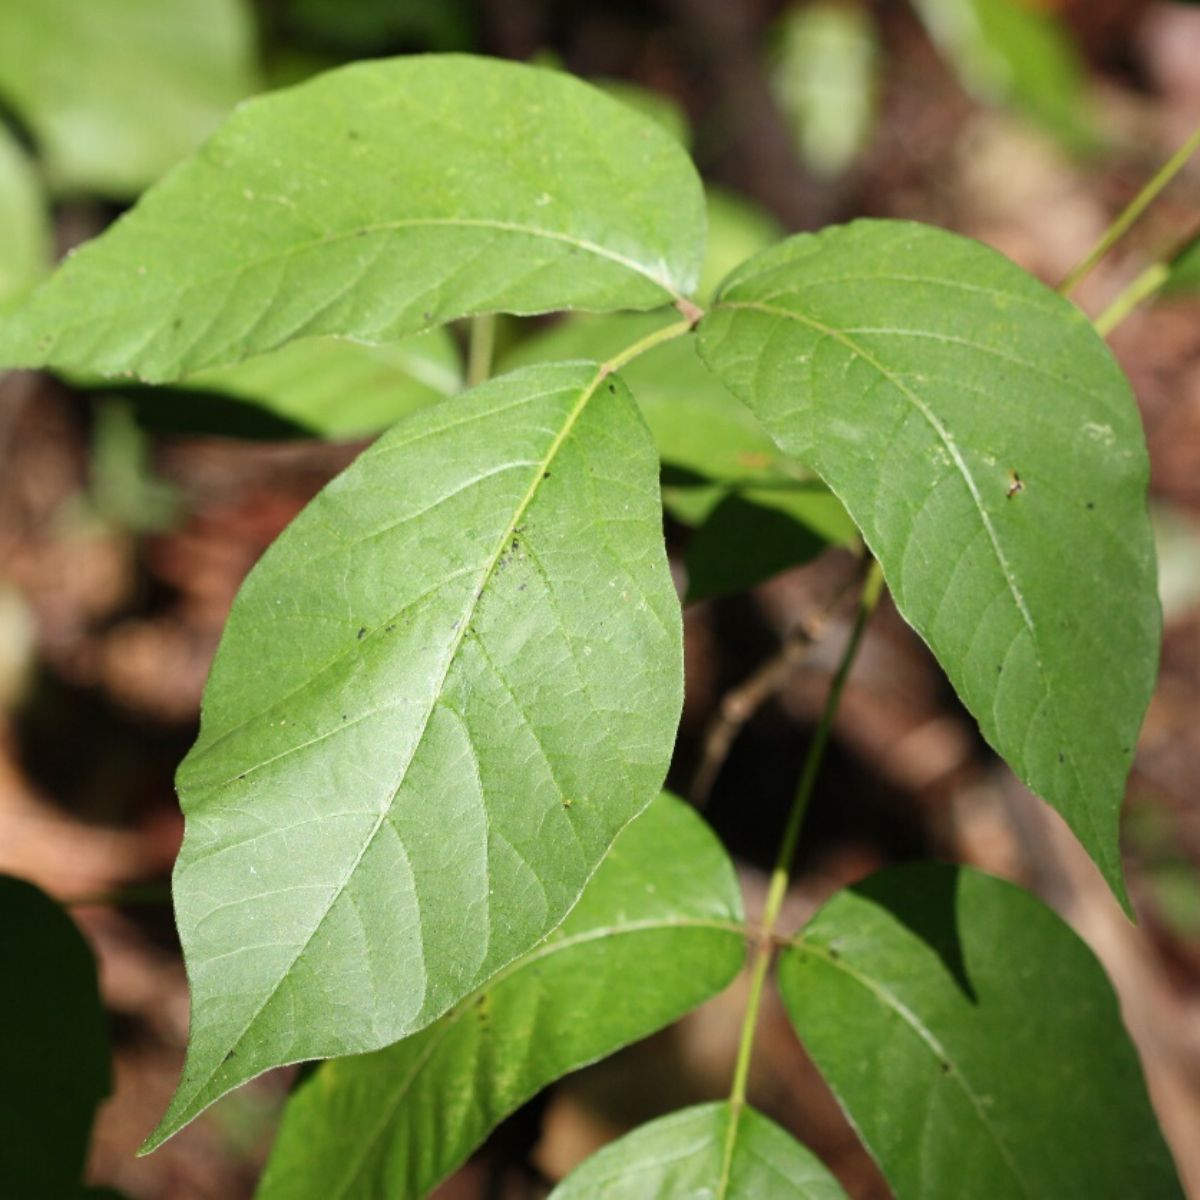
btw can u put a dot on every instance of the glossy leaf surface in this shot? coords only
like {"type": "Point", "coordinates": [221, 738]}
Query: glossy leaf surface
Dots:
{"type": "Point", "coordinates": [684, 1156]}
{"type": "Point", "coordinates": [974, 1042]}
{"type": "Point", "coordinates": [115, 93]}
{"type": "Point", "coordinates": [439, 697]}
{"type": "Point", "coordinates": [370, 202]}
{"type": "Point", "coordinates": [54, 1056]}
{"type": "Point", "coordinates": [984, 440]}
{"type": "Point", "coordinates": [24, 222]}
{"type": "Point", "coordinates": [655, 933]}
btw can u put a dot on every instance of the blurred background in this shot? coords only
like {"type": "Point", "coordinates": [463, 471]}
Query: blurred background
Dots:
{"type": "Point", "coordinates": [127, 522]}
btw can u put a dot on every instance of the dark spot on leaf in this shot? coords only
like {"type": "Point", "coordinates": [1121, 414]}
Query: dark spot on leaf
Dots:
{"type": "Point", "coordinates": [1014, 485]}
{"type": "Point", "coordinates": [362, 632]}
{"type": "Point", "coordinates": [1091, 504]}
{"type": "Point", "coordinates": [352, 134]}
{"type": "Point", "coordinates": [946, 1068]}
{"type": "Point", "coordinates": [545, 474]}
{"type": "Point", "coordinates": [832, 951]}
{"type": "Point", "coordinates": [428, 316]}
{"type": "Point", "coordinates": [242, 775]}
{"type": "Point", "coordinates": [177, 323]}
{"type": "Point", "coordinates": [389, 628]}
{"type": "Point", "coordinates": [567, 802]}
{"type": "Point", "coordinates": [1062, 758]}
{"type": "Point", "coordinates": [612, 387]}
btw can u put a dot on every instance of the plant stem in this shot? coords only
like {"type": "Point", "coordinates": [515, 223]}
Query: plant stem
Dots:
{"type": "Point", "coordinates": [1135, 208]}
{"type": "Point", "coordinates": [777, 889]}
{"type": "Point", "coordinates": [1144, 286]}
{"type": "Point", "coordinates": [479, 351]}
{"type": "Point", "coordinates": [668, 333]}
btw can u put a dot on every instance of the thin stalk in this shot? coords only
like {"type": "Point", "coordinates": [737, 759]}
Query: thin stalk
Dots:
{"type": "Point", "coordinates": [777, 889]}
{"type": "Point", "coordinates": [667, 334]}
{"type": "Point", "coordinates": [1142, 288]}
{"type": "Point", "coordinates": [1135, 208]}
{"type": "Point", "coordinates": [479, 350]}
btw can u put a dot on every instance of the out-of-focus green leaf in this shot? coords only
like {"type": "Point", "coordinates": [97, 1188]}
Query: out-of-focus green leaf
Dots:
{"type": "Point", "coordinates": [754, 533]}
{"type": "Point", "coordinates": [341, 389]}
{"type": "Point", "coordinates": [824, 76]}
{"type": "Point", "coordinates": [653, 935]}
{"type": "Point", "coordinates": [367, 203]}
{"type": "Point", "coordinates": [1012, 53]}
{"type": "Point", "coordinates": [1185, 269]}
{"type": "Point", "coordinates": [361, 28]}
{"type": "Point", "coordinates": [54, 1058]}
{"type": "Point", "coordinates": [986, 443]}
{"type": "Point", "coordinates": [24, 226]}
{"type": "Point", "coordinates": [117, 91]}
{"type": "Point", "coordinates": [974, 1042]}
{"type": "Point", "coordinates": [737, 229]}
{"type": "Point", "coordinates": [439, 697]}
{"type": "Point", "coordinates": [661, 109]}
{"type": "Point", "coordinates": [694, 1155]}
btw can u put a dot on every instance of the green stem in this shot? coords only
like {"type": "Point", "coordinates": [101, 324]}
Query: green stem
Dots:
{"type": "Point", "coordinates": [1143, 287]}
{"type": "Point", "coordinates": [777, 889]}
{"type": "Point", "coordinates": [479, 351]}
{"type": "Point", "coordinates": [1136, 207]}
{"type": "Point", "coordinates": [668, 333]}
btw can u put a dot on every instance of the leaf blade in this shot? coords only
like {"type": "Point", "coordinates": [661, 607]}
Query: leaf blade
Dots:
{"type": "Point", "coordinates": [683, 1155]}
{"type": "Point", "coordinates": [986, 444]}
{"type": "Point", "coordinates": [912, 993]}
{"type": "Point", "coordinates": [548, 1013]}
{"type": "Point", "coordinates": [367, 203]}
{"type": "Point", "coordinates": [468, 650]}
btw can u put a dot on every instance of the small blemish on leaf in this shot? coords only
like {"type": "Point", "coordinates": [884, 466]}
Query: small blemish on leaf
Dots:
{"type": "Point", "coordinates": [362, 632]}
{"type": "Point", "coordinates": [1014, 485]}
{"type": "Point", "coordinates": [1091, 504]}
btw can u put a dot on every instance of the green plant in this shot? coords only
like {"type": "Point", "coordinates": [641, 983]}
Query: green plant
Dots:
{"type": "Point", "coordinates": [424, 831]}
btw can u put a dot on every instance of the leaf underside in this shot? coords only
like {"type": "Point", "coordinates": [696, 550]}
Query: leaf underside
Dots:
{"type": "Point", "coordinates": [439, 697]}
{"type": "Point", "coordinates": [370, 202]}
{"type": "Point", "coordinates": [986, 444]}
{"type": "Point", "coordinates": [684, 1156]}
{"type": "Point", "coordinates": [974, 1042]}
{"type": "Point", "coordinates": [661, 931]}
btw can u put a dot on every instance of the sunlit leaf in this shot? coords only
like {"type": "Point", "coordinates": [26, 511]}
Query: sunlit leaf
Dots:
{"type": "Point", "coordinates": [439, 697]}
{"type": "Point", "coordinates": [24, 225]}
{"type": "Point", "coordinates": [368, 203]}
{"type": "Point", "coordinates": [658, 930]}
{"type": "Point", "coordinates": [984, 440]}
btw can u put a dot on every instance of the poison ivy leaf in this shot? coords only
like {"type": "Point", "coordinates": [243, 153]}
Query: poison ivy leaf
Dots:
{"type": "Point", "coordinates": [24, 227]}
{"type": "Point", "coordinates": [973, 1041]}
{"type": "Point", "coordinates": [824, 76]}
{"type": "Point", "coordinates": [692, 1154]}
{"type": "Point", "coordinates": [439, 697]}
{"type": "Point", "coordinates": [1009, 52]}
{"type": "Point", "coordinates": [985, 442]}
{"type": "Point", "coordinates": [372, 202]}
{"type": "Point", "coordinates": [337, 388]}
{"type": "Point", "coordinates": [54, 1052]}
{"type": "Point", "coordinates": [116, 93]}
{"type": "Point", "coordinates": [395, 1122]}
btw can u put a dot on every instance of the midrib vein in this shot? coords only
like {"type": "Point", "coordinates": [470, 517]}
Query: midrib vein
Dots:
{"type": "Point", "coordinates": [451, 654]}
{"type": "Point", "coordinates": [927, 1037]}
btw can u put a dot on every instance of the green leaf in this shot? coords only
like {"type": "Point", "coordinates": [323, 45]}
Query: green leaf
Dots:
{"type": "Point", "coordinates": [54, 1048]}
{"type": "Point", "coordinates": [737, 229]}
{"type": "Point", "coordinates": [116, 93]}
{"type": "Point", "coordinates": [1009, 52]}
{"type": "Point", "coordinates": [824, 77]}
{"type": "Point", "coordinates": [985, 442]}
{"type": "Point", "coordinates": [1185, 270]}
{"type": "Point", "coordinates": [337, 388]}
{"type": "Point", "coordinates": [375, 201]}
{"type": "Point", "coordinates": [974, 1042]}
{"type": "Point", "coordinates": [24, 225]}
{"type": "Point", "coordinates": [684, 1156]}
{"type": "Point", "coordinates": [660, 931]}
{"type": "Point", "coordinates": [439, 697]}
{"type": "Point", "coordinates": [755, 533]}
